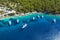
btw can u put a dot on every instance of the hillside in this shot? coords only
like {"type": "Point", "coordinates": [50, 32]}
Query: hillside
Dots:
{"type": "Point", "coordinates": [51, 6]}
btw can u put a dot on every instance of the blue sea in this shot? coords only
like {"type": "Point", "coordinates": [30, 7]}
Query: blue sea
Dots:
{"type": "Point", "coordinates": [34, 26]}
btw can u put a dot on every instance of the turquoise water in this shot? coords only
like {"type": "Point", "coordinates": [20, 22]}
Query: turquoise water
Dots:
{"type": "Point", "coordinates": [37, 29]}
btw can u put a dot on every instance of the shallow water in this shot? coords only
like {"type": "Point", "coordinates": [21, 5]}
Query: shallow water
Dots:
{"type": "Point", "coordinates": [37, 29]}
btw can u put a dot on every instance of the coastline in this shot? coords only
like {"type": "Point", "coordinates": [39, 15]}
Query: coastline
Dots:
{"type": "Point", "coordinates": [17, 15]}
{"type": "Point", "coordinates": [25, 14]}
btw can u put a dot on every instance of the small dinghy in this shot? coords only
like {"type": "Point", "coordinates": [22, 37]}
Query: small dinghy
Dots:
{"type": "Point", "coordinates": [9, 22]}
{"type": "Point", "coordinates": [17, 20]}
{"type": "Point", "coordinates": [54, 20]}
{"type": "Point", "coordinates": [33, 18]}
{"type": "Point", "coordinates": [24, 26]}
{"type": "Point", "coordinates": [41, 16]}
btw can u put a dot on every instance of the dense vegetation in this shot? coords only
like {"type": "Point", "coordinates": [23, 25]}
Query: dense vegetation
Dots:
{"type": "Point", "coordinates": [51, 6]}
